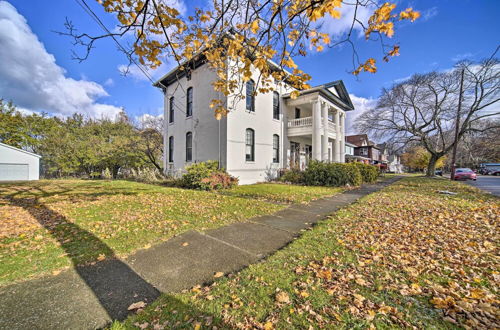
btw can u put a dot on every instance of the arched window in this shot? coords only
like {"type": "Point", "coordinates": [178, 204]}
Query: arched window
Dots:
{"type": "Point", "coordinates": [276, 105]}
{"type": "Point", "coordinates": [171, 110]}
{"type": "Point", "coordinates": [276, 148]}
{"type": "Point", "coordinates": [171, 149]}
{"type": "Point", "coordinates": [189, 102]}
{"type": "Point", "coordinates": [189, 147]}
{"type": "Point", "coordinates": [250, 145]}
{"type": "Point", "coordinates": [250, 98]}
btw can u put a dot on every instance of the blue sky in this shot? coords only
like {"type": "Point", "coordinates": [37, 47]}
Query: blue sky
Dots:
{"type": "Point", "coordinates": [448, 30]}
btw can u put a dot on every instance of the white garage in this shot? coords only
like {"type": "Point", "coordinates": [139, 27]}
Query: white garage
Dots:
{"type": "Point", "coordinates": [17, 164]}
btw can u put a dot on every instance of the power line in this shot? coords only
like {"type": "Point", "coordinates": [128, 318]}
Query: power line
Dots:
{"type": "Point", "coordinates": [96, 18]}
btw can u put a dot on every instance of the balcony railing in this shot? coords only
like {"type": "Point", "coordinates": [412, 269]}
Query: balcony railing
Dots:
{"type": "Point", "coordinates": [300, 122]}
{"type": "Point", "coordinates": [307, 121]}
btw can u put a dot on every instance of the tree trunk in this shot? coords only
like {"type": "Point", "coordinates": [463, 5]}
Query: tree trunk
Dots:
{"type": "Point", "coordinates": [431, 167]}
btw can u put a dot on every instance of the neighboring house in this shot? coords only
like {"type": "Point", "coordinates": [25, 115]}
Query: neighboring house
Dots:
{"type": "Point", "coordinates": [394, 164]}
{"type": "Point", "coordinates": [17, 164]}
{"type": "Point", "coordinates": [364, 150]}
{"type": "Point", "coordinates": [350, 154]}
{"type": "Point", "coordinates": [260, 135]}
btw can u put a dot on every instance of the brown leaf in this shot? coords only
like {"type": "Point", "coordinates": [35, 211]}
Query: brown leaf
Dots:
{"type": "Point", "coordinates": [137, 305]}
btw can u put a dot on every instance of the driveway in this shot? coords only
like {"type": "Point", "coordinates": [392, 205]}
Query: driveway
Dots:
{"type": "Point", "coordinates": [488, 183]}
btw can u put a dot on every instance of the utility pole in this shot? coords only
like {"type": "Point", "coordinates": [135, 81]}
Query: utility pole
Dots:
{"type": "Point", "coordinates": [457, 125]}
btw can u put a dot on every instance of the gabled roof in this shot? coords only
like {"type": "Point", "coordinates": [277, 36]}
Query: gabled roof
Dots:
{"type": "Point", "coordinates": [20, 150]}
{"type": "Point", "coordinates": [340, 98]}
{"type": "Point", "coordinates": [358, 139]}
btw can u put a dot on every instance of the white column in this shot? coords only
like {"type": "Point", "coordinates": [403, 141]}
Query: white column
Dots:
{"type": "Point", "coordinates": [165, 130]}
{"type": "Point", "coordinates": [316, 133]}
{"type": "Point", "coordinates": [324, 141]}
{"type": "Point", "coordinates": [342, 140]}
{"type": "Point", "coordinates": [337, 136]}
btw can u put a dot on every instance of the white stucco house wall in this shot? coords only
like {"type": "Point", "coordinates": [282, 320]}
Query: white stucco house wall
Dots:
{"type": "Point", "coordinates": [256, 139]}
{"type": "Point", "coordinates": [17, 164]}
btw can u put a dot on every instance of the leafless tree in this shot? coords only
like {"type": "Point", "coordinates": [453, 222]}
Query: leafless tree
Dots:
{"type": "Point", "coordinates": [425, 108]}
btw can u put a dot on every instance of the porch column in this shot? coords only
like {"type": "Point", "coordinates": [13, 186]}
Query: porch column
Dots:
{"type": "Point", "coordinates": [342, 140]}
{"type": "Point", "coordinates": [324, 142]}
{"type": "Point", "coordinates": [337, 136]}
{"type": "Point", "coordinates": [316, 133]}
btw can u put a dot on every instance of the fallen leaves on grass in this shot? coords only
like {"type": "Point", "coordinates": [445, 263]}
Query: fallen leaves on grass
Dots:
{"type": "Point", "coordinates": [137, 305]}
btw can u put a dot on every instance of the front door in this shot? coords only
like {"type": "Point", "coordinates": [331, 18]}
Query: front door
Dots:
{"type": "Point", "coordinates": [294, 155]}
{"type": "Point", "coordinates": [309, 152]}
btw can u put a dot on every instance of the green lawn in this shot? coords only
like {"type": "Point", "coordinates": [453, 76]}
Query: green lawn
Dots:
{"type": "Point", "coordinates": [52, 224]}
{"type": "Point", "coordinates": [407, 256]}
{"type": "Point", "coordinates": [281, 193]}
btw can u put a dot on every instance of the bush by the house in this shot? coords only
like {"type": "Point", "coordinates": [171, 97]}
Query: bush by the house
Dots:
{"type": "Point", "coordinates": [293, 175]}
{"type": "Point", "coordinates": [369, 173]}
{"type": "Point", "coordinates": [207, 176]}
{"type": "Point", "coordinates": [332, 174]}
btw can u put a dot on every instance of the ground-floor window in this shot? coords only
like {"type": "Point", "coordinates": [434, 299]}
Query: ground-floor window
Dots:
{"type": "Point", "coordinates": [276, 148]}
{"type": "Point", "coordinates": [250, 145]}
{"type": "Point", "coordinates": [189, 147]}
{"type": "Point", "coordinates": [171, 149]}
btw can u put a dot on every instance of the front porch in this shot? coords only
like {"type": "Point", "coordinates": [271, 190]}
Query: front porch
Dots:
{"type": "Point", "coordinates": [315, 128]}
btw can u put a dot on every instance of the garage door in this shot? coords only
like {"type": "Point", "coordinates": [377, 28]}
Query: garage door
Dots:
{"type": "Point", "coordinates": [13, 172]}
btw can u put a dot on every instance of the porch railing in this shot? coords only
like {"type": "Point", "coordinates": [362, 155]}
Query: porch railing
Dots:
{"type": "Point", "coordinates": [300, 122]}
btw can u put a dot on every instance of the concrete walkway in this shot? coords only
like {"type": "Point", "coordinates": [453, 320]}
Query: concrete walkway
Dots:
{"type": "Point", "coordinates": [92, 296]}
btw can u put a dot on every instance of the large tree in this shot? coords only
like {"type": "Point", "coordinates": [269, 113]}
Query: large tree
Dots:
{"type": "Point", "coordinates": [437, 109]}
{"type": "Point", "coordinates": [237, 35]}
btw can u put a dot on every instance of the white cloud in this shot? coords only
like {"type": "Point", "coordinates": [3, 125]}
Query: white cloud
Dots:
{"type": "Point", "coordinates": [361, 104]}
{"type": "Point", "coordinates": [30, 77]}
{"type": "Point", "coordinates": [341, 26]}
{"type": "Point", "coordinates": [429, 13]}
{"type": "Point", "coordinates": [461, 57]}
{"type": "Point", "coordinates": [109, 82]}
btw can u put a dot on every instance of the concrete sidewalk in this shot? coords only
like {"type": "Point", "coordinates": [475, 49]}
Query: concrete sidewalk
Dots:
{"type": "Point", "coordinates": [92, 296]}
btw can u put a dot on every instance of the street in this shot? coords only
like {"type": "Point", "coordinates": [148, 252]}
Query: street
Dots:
{"type": "Point", "coordinates": [488, 183]}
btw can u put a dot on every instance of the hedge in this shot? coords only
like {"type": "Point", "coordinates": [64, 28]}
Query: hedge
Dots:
{"type": "Point", "coordinates": [332, 174]}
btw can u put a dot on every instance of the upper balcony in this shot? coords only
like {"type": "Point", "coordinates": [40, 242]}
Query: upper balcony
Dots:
{"type": "Point", "coordinates": [304, 126]}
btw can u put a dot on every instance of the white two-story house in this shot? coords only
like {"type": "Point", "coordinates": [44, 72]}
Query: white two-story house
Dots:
{"type": "Point", "coordinates": [261, 134]}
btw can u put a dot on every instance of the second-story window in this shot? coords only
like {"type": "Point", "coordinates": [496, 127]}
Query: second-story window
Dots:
{"type": "Point", "coordinates": [189, 147]}
{"type": "Point", "coordinates": [171, 149]}
{"type": "Point", "coordinates": [171, 110]}
{"type": "Point", "coordinates": [189, 102]}
{"type": "Point", "coordinates": [276, 148]}
{"type": "Point", "coordinates": [250, 98]}
{"type": "Point", "coordinates": [250, 145]}
{"type": "Point", "coordinates": [276, 105]}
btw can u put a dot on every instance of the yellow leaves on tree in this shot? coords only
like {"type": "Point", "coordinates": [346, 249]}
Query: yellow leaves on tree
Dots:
{"type": "Point", "coordinates": [368, 66]}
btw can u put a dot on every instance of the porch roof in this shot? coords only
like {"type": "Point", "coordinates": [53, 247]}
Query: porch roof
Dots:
{"type": "Point", "coordinates": [342, 100]}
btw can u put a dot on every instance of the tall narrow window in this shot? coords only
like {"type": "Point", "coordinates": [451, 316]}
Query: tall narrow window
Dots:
{"type": "Point", "coordinates": [171, 110]}
{"type": "Point", "coordinates": [276, 148]}
{"type": "Point", "coordinates": [250, 145]}
{"type": "Point", "coordinates": [276, 105]}
{"type": "Point", "coordinates": [250, 98]}
{"type": "Point", "coordinates": [189, 102]}
{"type": "Point", "coordinates": [297, 113]}
{"type": "Point", "coordinates": [171, 149]}
{"type": "Point", "coordinates": [189, 147]}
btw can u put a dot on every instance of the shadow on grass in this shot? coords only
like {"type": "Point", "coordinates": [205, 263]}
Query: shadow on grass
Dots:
{"type": "Point", "coordinates": [112, 281]}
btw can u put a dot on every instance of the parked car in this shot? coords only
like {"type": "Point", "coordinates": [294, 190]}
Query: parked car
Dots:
{"type": "Point", "coordinates": [494, 172]}
{"type": "Point", "coordinates": [439, 172]}
{"type": "Point", "coordinates": [465, 174]}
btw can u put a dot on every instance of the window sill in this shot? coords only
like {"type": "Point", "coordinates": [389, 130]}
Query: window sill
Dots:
{"type": "Point", "coordinates": [189, 117]}
{"type": "Point", "coordinates": [171, 123]}
{"type": "Point", "coordinates": [249, 161]}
